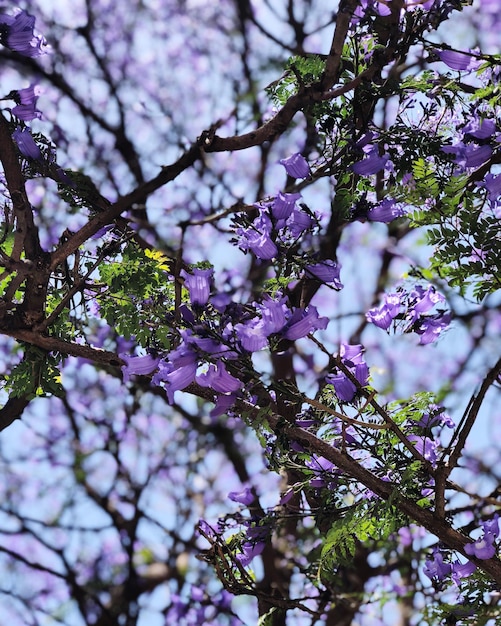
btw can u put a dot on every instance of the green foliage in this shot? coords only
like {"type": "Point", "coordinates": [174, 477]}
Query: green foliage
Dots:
{"type": "Point", "coordinates": [79, 191]}
{"type": "Point", "coordinates": [138, 297]}
{"type": "Point", "coordinates": [37, 374]}
{"type": "Point", "coordinates": [300, 72]}
{"type": "Point", "coordinates": [369, 521]}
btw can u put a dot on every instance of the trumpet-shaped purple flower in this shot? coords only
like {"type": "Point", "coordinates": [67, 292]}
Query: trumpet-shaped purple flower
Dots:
{"type": "Point", "coordinates": [480, 128]}
{"type": "Point", "coordinates": [372, 164]}
{"type": "Point", "coordinates": [26, 144]}
{"type": "Point", "coordinates": [178, 372]}
{"type": "Point", "coordinates": [17, 33]}
{"type": "Point", "coordinates": [425, 446]}
{"type": "Point", "coordinates": [219, 379]}
{"type": "Point", "coordinates": [252, 334]}
{"type": "Point", "coordinates": [242, 497]}
{"type": "Point", "coordinates": [274, 314]}
{"type": "Point", "coordinates": [352, 357]}
{"type": "Point", "coordinates": [383, 316]}
{"type": "Point", "coordinates": [343, 386]}
{"type": "Point", "coordinates": [421, 300]}
{"type": "Point", "coordinates": [298, 222]}
{"type": "Point", "coordinates": [303, 322]}
{"type": "Point", "coordinates": [296, 166]}
{"type": "Point", "coordinates": [327, 272]}
{"type": "Point", "coordinates": [458, 60]}
{"type": "Point", "coordinates": [250, 550]}
{"type": "Point", "coordinates": [27, 98]}
{"type": "Point", "coordinates": [257, 238]}
{"type": "Point", "coordinates": [324, 472]}
{"type": "Point", "coordinates": [493, 185]}
{"type": "Point", "coordinates": [351, 354]}
{"type": "Point", "coordinates": [469, 155]}
{"type": "Point", "coordinates": [198, 285]}
{"type": "Point", "coordinates": [435, 568]}
{"type": "Point", "coordinates": [284, 204]}
{"type": "Point", "coordinates": [139, 365]}
{"type": "Point", "coordinates": [386, 211]}
{"type": "Point", "coordinates": [430, 328]}
{"type": "Point", "coordinates": [482, 548]}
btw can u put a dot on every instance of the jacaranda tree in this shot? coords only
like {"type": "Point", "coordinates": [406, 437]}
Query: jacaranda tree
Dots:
{"type": "Point", "coordinates": [250, 270]}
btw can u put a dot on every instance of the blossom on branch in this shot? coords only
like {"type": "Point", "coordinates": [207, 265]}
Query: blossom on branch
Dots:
{"type": "Point", "coordinates": [27, 98]}
{"type": "Point", "coordinates": [18, 33]}
{"type": "Point", "coordinates": [296, 166]}
{"type": "Point", "coordinates": [26, 144]}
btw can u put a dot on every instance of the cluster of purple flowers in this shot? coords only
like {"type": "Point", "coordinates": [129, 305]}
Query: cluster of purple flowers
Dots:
{"type": "Point", "coordinates": [17, 32]}
{"type": "Point", "coordinates": [439, 570]}
{"type": "Point", "coordinates": [352, 358]}
{"type": "Point", "coordinates": [414, 309]}
{"type": "Point", "coordinates": [381, 7]}
{"type": "Point", "coordinates": [280, 221]}
{"type": "Point", "coordinates": [471, 149]}
{"type": "Point", "coordinates": [26, 99]}
{"type": "Point", "coordinates": [425, 432]}
{"type": "Point", "coordinates": [210, 343]}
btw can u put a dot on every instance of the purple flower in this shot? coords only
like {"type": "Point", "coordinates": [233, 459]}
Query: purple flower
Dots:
{"type": "Point", "coordinates": [436, 568]}
{"type": "Point", "coordinates": [352, 357]}
{"type": "Point", "coordinates": [26, 109]}
{"type": "Point", "coordinates": [274, 314]}
{"type": "Point", "coordinates": [284, 204]}
{"type": "Point", "coordinates": [462, 570]}
{"type": "Point", "coordinates": [458, 60]}
{"type": "Point", "coordinates": [249, 551]}
{"type": "Point", "coordinates": [383, 316]}
{"type": "Point", "coordinates": [326, 271]}
{"type": "Point", "coordinates": [491, 527]}
{"type": "Point", "coordinates": [373, 164]}
{"type": "Point", "coordinates": [323, 470]}
{"type": "Point", "coordinates": [426, 447]}
{"type": "Point", "coordinates": [252, 334]}
{"type": "Point", "coordinates": [482, 548]}
{"type": "Point", "coordinates": [296, 166]}
{"type": "Point", "coordinates": [303, 322]}
{"type": "Point", "coordinates": [480, 128]}
{"type": "Point", "coordinates": [198, 285]}
{"type": "Point", "coordinates": [219, 379]}
{"type": "Point", "coordinates": [386, 211]}
{"type": "Point", "coordinates": [493, 185]}
{"type": "Point", "coordinates": [344, 388]}
{"type": "Point", "coordinates": [224, 402]}
{"type": "Point", "coordinates": [139, 365]}
{"type": "Point", "coordinates": [298, 222]}
{"type": "Point", "coordinates": [422, 300]}
{"type": "Point", "coordinates": [351, 354]}
{"type": "Point", "coordinates": [242, 497]}
{"type": "Point", "coordinates": [26, 144]}
{"type": "Point", "coordinates": [430, 328]}
{"type": "Point", "coordinates": [17, 33]}
{"type": "Point", "coordinates": [257, 238]}
{"type": "Point", "coordinates": [178, 372]}
{"type": "Point", "coordinates": [469, 155]}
